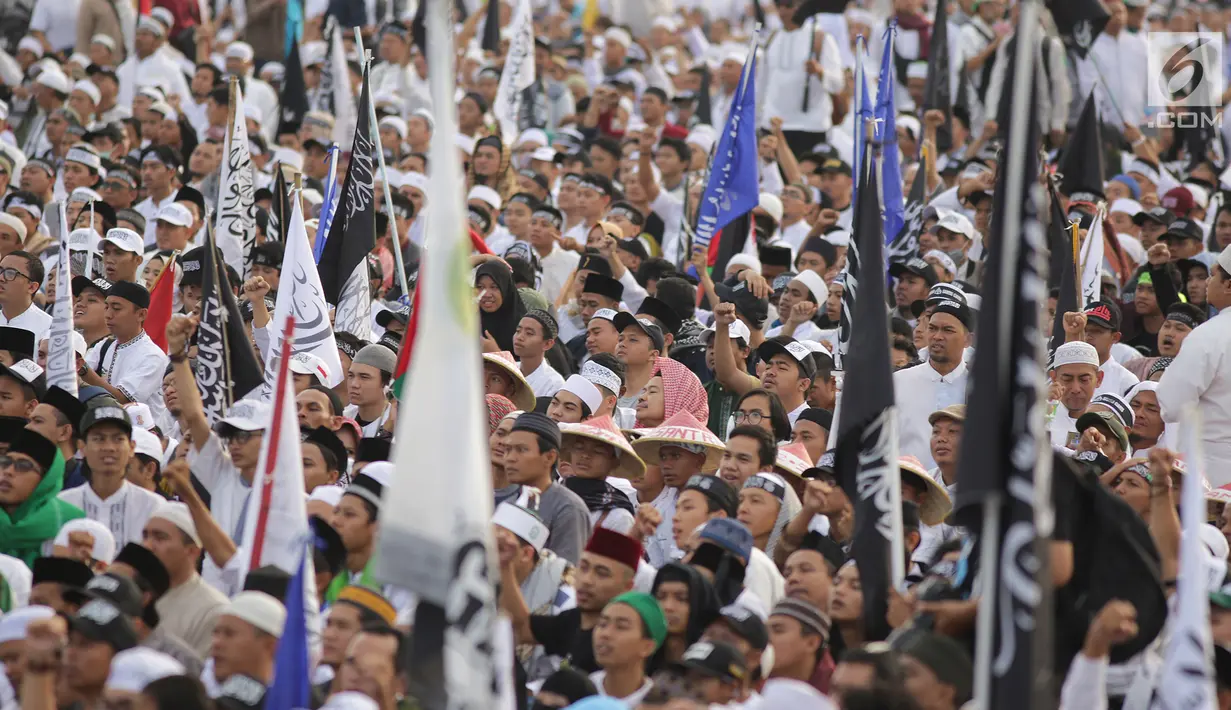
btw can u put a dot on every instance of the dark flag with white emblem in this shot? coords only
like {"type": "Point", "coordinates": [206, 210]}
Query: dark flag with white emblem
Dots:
{"type": "Point", "coordinates": [343, 265]}
{"type": "Point", "coordinates": [1004, 478]}
{"type": "Point", "coordinates": [1062, 270]}
{"type": "Point", "coordinates": [936, 89]}
{"type": "Point", "coordinates": [1079, 22]}
{"type": "Point", "coordinates": [866, 456]}
{"type": "Point", "coordinates": [1082, 174]}
{"type": "Point", "coordinates": [280, 207]}
{"type": "Point", "coordinates": [226, 367]}
{"type": "Point", "coordinates": [293, 101]}
{"type": "Point", "coordinates": [491, 27]}
{"type": "Point", "coordinates": [906, 244]}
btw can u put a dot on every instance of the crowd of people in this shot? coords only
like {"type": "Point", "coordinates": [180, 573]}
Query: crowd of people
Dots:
{"type": "Point", "coordinates": [670, 529]}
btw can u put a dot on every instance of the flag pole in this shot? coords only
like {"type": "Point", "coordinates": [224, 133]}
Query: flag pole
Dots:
{"type": "Point", "coordinates": [384, 177]}
{"type": "Point", "coordinates": [1010, 242]}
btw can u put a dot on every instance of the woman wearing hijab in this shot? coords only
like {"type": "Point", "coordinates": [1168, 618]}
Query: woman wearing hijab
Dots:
{"type": "Point", "coordinates": [690, 604]}
{"type": "Point", "coordinates": [500, 308]}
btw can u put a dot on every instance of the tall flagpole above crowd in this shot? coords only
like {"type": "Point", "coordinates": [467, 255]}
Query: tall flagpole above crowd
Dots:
{"type": "Point", "coordinates": [436, 540]}
{"type": "Point", "coordinates": [61, 358]}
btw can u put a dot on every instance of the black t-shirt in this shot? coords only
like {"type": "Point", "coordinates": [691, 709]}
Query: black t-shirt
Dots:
{"type": "Point", "coordinates": [562, 635]}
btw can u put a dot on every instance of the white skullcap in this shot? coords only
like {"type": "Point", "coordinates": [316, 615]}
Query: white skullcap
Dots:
{"type": "Point", "coordinates": [746, 260]}
{"type": "Point", "coordinates": [533, 135]}
{"type": "Point", "coordinates": [104, 40]}
{"type": "Point", "coordinates": [104, 541]}
{"type": "Point", "coordinates": [814, 282]}
{"type": "Point", "coordinates": [702, 136]}
{"type": "Point", "coordinates": [137, 667]}
{"type": "Point", "coordinates": [88, 88]}
{"type": "Point", "coordinates": [397, 123]}
{"type": "Point", "coordinates": [911, 124]}
{"type": "Point", "coordinates": [260, 610]}
{"type": "Point", "coordinates": [16, 224]}
{"type": "Point", "coordinates": [13, 624]}
{"type": "Point", "coordinates": [79, 59]}
{"type": "Point", "coordinates": [666, 22]}
{"type": "Point", "coordinates": [415, 179]}
{"type": "Point", "coordinates": [350, 700]}
{"type": "Point", "coordinates": [585, 391]}
{"type": "Point", "coordinates": [241, 51]}
{"type": "Point", "coordinates": [287, 156]}
{"type": "Point", "coordinates": [427, 117]}
{"type": "Point", "coordinates": [274, 69]}
{"type": "Point", "coordinates": [31, 45]}
{"type": "Point", "coordinates": [147, 443]}
{"type": "Point", "coordinates": [379, 471]}
{"type": "Point", "coordinates": [619, 36]}
{"type": "Point", "coordinates": [485, 194]}
{"type": "Point", "coordinates": [1224, 260]}
{"type": "Point", "coordinates": [312, 197]}
{"type": "Point", "coordinates": [328, 494]}
{"type": "Point", "coordinates": [860, 16]}
{"type": "Point", "coordinates": [53, 79]}
{"type": "Point", "coordinates": [1076, 353]}
{"type": "Point", "coordinates": [177, 514]}
{"type": "Point", "coordinates": [1125, 205]}
{"type": "Point", "coordinates": [917, 70]}
{"type": "Point", "coordinates": [771, 204]}
{"type": "Point", "coordinates": [522, 523]}
{"type": "Point", "coordinates": [838, 238]}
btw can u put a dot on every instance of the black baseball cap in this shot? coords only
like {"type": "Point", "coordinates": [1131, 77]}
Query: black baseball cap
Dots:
{"type": "Point", "coordinates": [81, 283]}
{"type": "Point", "coordinates": [107, 412]}
{"type": "Point", "coordinates": [793, 349]}
{"type": "Point", "coordinates": [915, 266]}
{"type": "Point", "coordinates": [717, 490]}
{"type": "Point", "coordinates": [958, 310]}
{"type": "Point", "coordinates": [714, 659]}
{"type": "Point", "coordinates": [746, 624]}
{"type": "Point", "coordinates": [755, 310]}
{"type": "Point", "coordinates": [835, 165]}
{"type": "Point", "coordinates": [1184, 228]}
{"type": "Point", "coordinates": [1105, 314]}
{"type": "Point", "coordinates": [121, 592]}
{"type": "Point", "coordinates": [1158, 215]}
{"type": "Point", "coordinates": [100, 620]}
{"type": "Point", "coordinates": [624, 319]}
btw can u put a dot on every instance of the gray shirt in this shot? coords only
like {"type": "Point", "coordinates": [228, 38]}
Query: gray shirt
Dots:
{"type": "Point", "coordinates": [568, 519]}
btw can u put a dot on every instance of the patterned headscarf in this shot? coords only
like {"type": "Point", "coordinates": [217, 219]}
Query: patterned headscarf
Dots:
{"type": "Point", "coordinates": [498, 407]}
{"type": "Point", "coordinates": [682, 391]}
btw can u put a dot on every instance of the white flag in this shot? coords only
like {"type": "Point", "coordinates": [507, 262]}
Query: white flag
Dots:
{"type": "Point", "coordinates": [1187, 678]}
{"type": "Point", "coordinates": [61, 356]}
{"type": "Point", "coordinates": [518, 72]}
{"type": "Point", "coordinates": [1091, 260]}
{"type": "Point", "coordinates": [236, 229]}
{"type": "Point", "coordinates": [343, 99]}
{"type": "Point", "coordinates": [300, 295]}
{"type": "Point", "coordinates": [435, 540]}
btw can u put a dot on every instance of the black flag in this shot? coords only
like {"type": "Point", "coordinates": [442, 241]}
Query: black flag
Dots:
{"type": "Point", "coordinates": [280, 207]}
{"type": "Point", "coordinates": [812, 7]}
{"type": "Point", "coordinates": [226, 368]}
{"type": "Point", "coordinates": [491, 27]}
{"type": "Point", "coordinates": [418, 27]}
{"type": "Point", "coordinates": [293, 101]}
{"type": "Point", "coordinates": [936, 93]}
{"type": "Point", "coordinates": [705, 108]}
{"type": "Point", "coordinates": [758, 12]}
{"type": "Point", "coordinates": [1062, 270]}
{"type": "Point", "coordinates": [343, 266]}
{"type": "Point", "coordinates": [1081, 167]}
{"type": "Point", "coordinates": [865, 459]}
{"type": "Point", "coordinates": [906, 243]}
{"type": "Point", "coordinates": [1005, 452]}
{"type": "Point", "coordinates": [1079, 22]}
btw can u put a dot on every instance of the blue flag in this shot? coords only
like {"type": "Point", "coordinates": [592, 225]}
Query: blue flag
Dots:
{"type": "Point", "coordinates": [290, 688]}
{"type": "Point", "coordinates": [735, 180]}
{"type": "Point", "coordinates": [294, 24]}
{"type": "Point", "coordinates": [863, 112]}
{"type": "Point", "coordinates": [886, 116]}
{"type": "Point", "coordinates": [329, 206]}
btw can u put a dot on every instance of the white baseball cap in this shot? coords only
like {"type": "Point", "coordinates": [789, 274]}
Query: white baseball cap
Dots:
{"type": "Point", "coordinates": [147, 444]}
{"type": "Point", "coordinates": [736, 331]}
{"type": "Point", "coordinates": [957, 222]}
{"type": "Point", "coordinates": [309, 364]}
{"type": "Point", "coordinates": [260, 610]}
{"type": "Point", "coordinates": [176, 214]}
{"type": "Point", "coordinates": [140, 414]}
{"type": "Point", "coordinates": [247, 415]}
{"type": "Point", "coordinates": [127, 239]}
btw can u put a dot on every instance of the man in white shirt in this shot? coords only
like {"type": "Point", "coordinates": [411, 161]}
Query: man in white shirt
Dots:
{"type": "Point", "coordinates": [1116, 70]}
{"type": "Point", "coordinates": [557, 263]}
{"type": "Point", "coordinates": [1102, 330]}
{"type": "Point", "coordinates": [132, 369]}
{"type": "Point", "coordinates": [535, 335]}
{"type": "Point", "coordinates": [1075, 376]}
{"type": "Point", "coordinates": [806, 69]}
{"type": "Point", "coordinates": [1201, 375]}
{"type": "Point", "coordinates": [630, 631]}
{"type": "Point", "coordinates": [159, 167]}
{"type": "Point", "coordinates": [21, 275]}
{"type": "Point", "coordinates": [108, 497]}
{"type": "Point", "coordinates": [150, 67]}
{"type": "Point", "coordinates": [796, 203]}
{"type": "Point", "coordinates": [396, 73]}
{"type": "Point", "coordinates": [257, 92]}
{"type": "Point", "coordinates": [938, 383]}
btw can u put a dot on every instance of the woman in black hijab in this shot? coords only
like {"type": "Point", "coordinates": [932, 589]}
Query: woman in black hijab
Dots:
{"type": "Point", "coordinates": [500, 307]}
{"type": "Point", "coordinates": [689, 602]}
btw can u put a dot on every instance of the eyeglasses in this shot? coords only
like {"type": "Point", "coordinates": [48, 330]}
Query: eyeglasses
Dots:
{"type": "Point", "coordinates": [752, 418]}
{"type": "Point", "coordinates": [10, 273]}
{"type": "Point", "coordinates": [239, 437]}
{"type": "Point", "coordinates": [18, 465]}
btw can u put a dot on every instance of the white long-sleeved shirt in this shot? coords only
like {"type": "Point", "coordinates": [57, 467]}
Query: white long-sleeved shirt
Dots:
{"type": "Point", "coordinates": [1116, 67]}
{"type": "Point", "coordinates": [154, 70]}
{"type": "Point", "coordinates": [1201, 374]}
{"type": "Point", "coordinates": [785, 61]}
{"type": "Point", "coordinates": [1116, 378]}
{"type": "Point", "coordinates": [921, 390]}
{"type": "Point", "coordinates": [1053, 104]}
